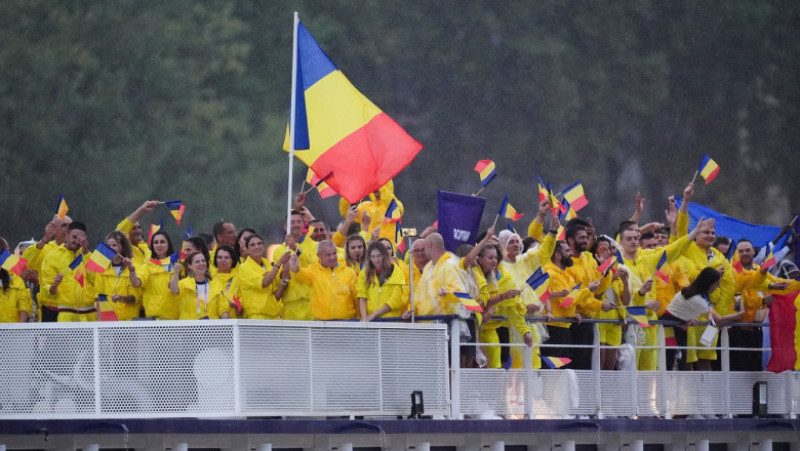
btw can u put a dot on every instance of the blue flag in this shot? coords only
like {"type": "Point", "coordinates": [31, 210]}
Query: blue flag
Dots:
{"type": "Point", "coordinates": [733, 228]}
{"type": "Point", "coordinates": [459, 218]}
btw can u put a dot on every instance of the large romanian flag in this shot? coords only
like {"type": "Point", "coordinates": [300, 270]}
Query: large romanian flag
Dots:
{"type": "Point", "coordinates": [339, 131]}
{"type": "Point", "coordinates": [784, 320]}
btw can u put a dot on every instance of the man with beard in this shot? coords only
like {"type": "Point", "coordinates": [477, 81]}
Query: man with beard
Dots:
{"type": "Point", "coordinates": [559, 305]}
{"type": "Point", "coordinates": [584, 271]}
{"type": "Point", "coordinates": [755, 285]}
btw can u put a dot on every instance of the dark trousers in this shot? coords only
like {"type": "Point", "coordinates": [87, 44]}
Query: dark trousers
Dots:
{"type": "Point", "coordinates": [582, 334]}
{"type": "Point", "coordinates": [746, 337]}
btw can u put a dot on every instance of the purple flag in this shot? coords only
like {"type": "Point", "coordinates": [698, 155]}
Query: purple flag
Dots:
{"type": "Point", "coordinates": [459, 218]}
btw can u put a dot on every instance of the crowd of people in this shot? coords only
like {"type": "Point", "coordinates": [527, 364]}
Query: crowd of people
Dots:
{"type": "Point", "coordinates": [356, 272]}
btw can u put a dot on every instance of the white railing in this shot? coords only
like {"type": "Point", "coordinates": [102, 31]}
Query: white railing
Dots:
{"type": "Point", "coordinates": [630, 393]}
{"type": "Point", "coordinates": [220, 369]}
{"type": "Point", "coordinates": [245, 368]}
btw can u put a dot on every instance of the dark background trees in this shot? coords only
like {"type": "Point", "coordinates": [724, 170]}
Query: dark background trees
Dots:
{"type": "Point", "coordinates": [113, 103]}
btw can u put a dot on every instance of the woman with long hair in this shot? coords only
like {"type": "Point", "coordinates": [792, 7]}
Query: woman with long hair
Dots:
{"type": "Point", "coordinates": [15, 299]}
{"type": "Point", "coordinates": [381, 285]}
{"type": "Point", "coordinates": [261, 283]}
{"type": "Point", "coordinates": [154, 277]}
{"type": "Point", "coordinates": [118, 284]}
{"type": "Point", "coordinates": [354, 254]}
{"type": "Point", "coordinates": [226, 281]}
{"type": "Point", "coordinates": [195, 297]}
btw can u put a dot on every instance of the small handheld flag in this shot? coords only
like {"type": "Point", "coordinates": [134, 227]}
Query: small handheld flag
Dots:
{"type": "Point", "coordinates": [176, 209]}
{"type": "Point", "coordinates": [61, 207]}
{"type": "Point", "coordinates": [659, 273]}
{"type": "Point", "coordinates": [100, 259]}
{"type": "Point", "coordinates": [12, 263]}
{"type": "Point", "coordinates": [737, 266]}
{"type": "Point", "coordinates": [105, 308]}
{"type": "Point", "coordinates": [325, 191]}
{"type": "Point", "coordinates": [77, 267]}
{"type": "Point", "coordinates": [576, 196]}
{"type": "Point", "coordinates": [543, 193]}
{"type": "Point", "coordinates": [603, 268]}
{"type": "Point", "coordinates": [153, 229]}
{"type": "Point", "coordinates": [640, 315]}
{"type": "Point", "coordinates": [567, 212]}
{"type": "Point", "coordinates": [469, 303]}
{"type": "Point", "coordinates": [708, 169]}
{"type": "Point", "coordinates": [189, 233]}
{"type": "Point", "coordinates": [392, 212]}
{"type": "Point", "coordinates": [537, 278]}
{"type": "Point", "coordinates": [507, 211]}
{"type": "Point", "coordinates": [769, 260]}
{"type": "Point", "coordinates": [487, 172]}
{"type": "Point", "coordinates": [555, 362]}
{"type": "Point", "coordinates": [570, 299]}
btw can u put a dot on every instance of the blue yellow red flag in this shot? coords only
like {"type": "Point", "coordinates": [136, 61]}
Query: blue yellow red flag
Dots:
{"type": "Point", "coordinates": [575, 195]}
{"type": "Point", "coordinates": [176, 209]}
{"type": "Point", "coordinates": [543, 193]}
{"type": "Point", "coordinates": [639, 314]}
{"type": "Point", "coordinates": [100, 259]}
{"type": "Point", "coordinates": [324, 190]}
{"type": "Point", "coordinates": [106, 310]}
{"type": "Point", "coordinates": [61, 207]}
{"type": "Point", "coordinates": [555, 362]}
{"type": "Point", "coordinates": [486, 170]}
{"type": "Point", "coordinates": [337, 130]}
{"type": "Point", "coordinates": [77, 268]}
{"type": "Point", "coordinates": [507, 211]}
{"type": "Point", "coordinates": [392, 212]}
{"type": "Point", "coordinates": [12, 263]}
{"type": "Point", "coordinates": [659, 272]}
{"type": "Point", "coordinates": [468, 301]}
{"type": "Point", "coordinates": [708, 169]}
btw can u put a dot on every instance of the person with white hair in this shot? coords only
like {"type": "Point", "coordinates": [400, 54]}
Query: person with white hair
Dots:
{"type": "Point", "coordinates": [521, 265]}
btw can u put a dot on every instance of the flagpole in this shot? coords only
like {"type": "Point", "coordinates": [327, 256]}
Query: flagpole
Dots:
{"type": "Point", "coordinates": [695, 176]}
{"type": "Point", "coordinates": [292, 123]}
{"type": "Point", "coordinates": [479, 191]}
{"type": "Point", "coordinates": [495, 220]}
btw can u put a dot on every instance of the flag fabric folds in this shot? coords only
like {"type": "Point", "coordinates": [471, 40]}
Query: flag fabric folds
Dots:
{"type": "Point", "coordinates": [708, 169]}
{"type": "Point", "coordinates": [769, 260]}
{"type": "Point", "coordinates": [486, 170]}
{"type": "Point", "coordinates": [567, 301]}
{"type": "Point", "coordinates": [337, 130]}
{"type": "Point", "coordinates": [576, 197]}
{"type": "Point", "coordinates": [602, 268]}
{"type": "Point", "coordinates": [61, 207]}
{"type": "Point", "coordinates": [105, 309]}
{"type": "Point", "coordinates": [324, 190]}
{"type": "Point", "coordinates": [77, 267]}
{"type": "Point", "coordinates": [188, 233]}
{"type": "Point", "coordinates": [784, 318]}
{"type": "Point", "coordinates": [537, 278]}
{"type": "Point", "coordinates": [555, 362]}
{"type": "Point", "coordinates": [176, 209]}
{"type": "Point", "coordinates": [661, 262]}
{"type": "Point", "coordinates": [639, 314]}
{"type": "Point", "coordinates": [543, 193]}
{"type": "Point", "coordinates": [734, 228]}
{"type": "Point", "coordinates": [567, 212]}
{"type": "Point", "coordinates": [12, 263]}
{"type": "Point", "coordinates": [469, 303]}
{"type": "Point", "coordinates": [392, 213]}
{"type": "Point", "coordinates": [509, 212]}
{"type": "Point", "coordinates": [100, 259]}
